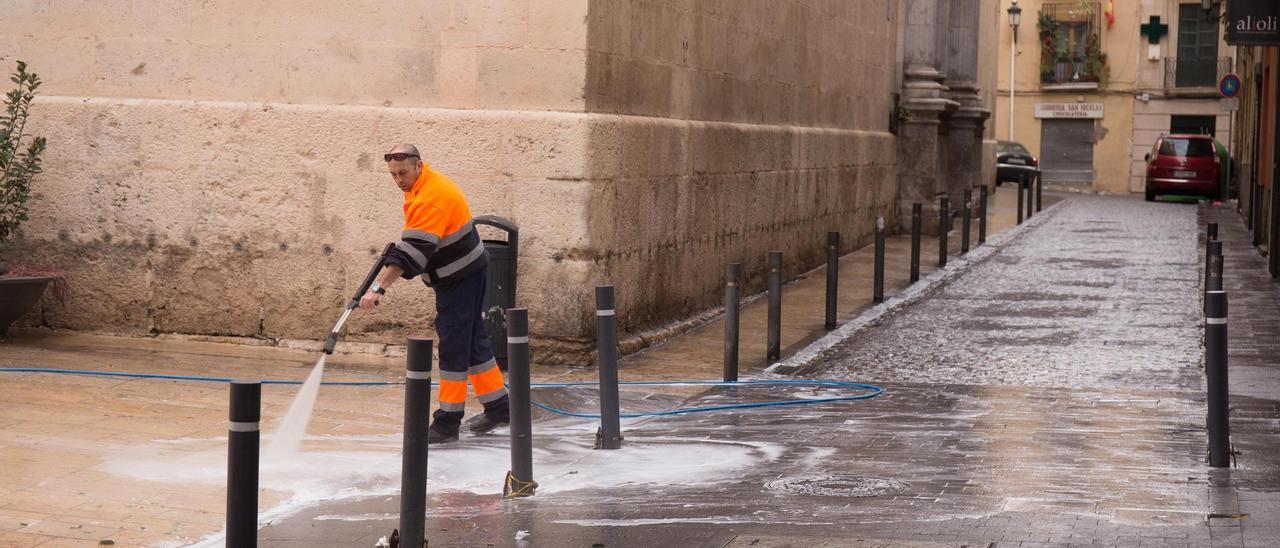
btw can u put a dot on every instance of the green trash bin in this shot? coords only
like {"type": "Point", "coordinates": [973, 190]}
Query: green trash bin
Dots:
{"type": "Point", "coordinates": [500, 288]}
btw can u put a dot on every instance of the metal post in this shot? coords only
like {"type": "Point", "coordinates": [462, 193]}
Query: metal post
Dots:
{"type": "Point", "coordinates": [413, 463]}
{"type": "Point", "coordinates": [519, 481]}
{"type": "Point", "coordinates": [732, 275]}
{"type": "Point", "coordinates": [965, 222]}
{"type": "Point", "coordinates": [1215, 360]}
{"type": "Point", "coordinates": [610, 434]}
{"type": "Point", "coordinates": [833, 278]}
{"type": "Point", "coordinates": [773, 349]}
{"type": "Point", "coordinates": [1211, 249]}
{"type": "Point", "coordinates": [917, 222]}
{"type": "Point", "coordinates": [877, 292]}
{"type": "Point", "coordinates": [1021, 182]}
{"type": "Point", "coordinates": [982, 214]}
{"type": "Point", "coordinates": [243, 438]}
{"type": "Point", "coordinates": [1031, 199]}
{"type": "Point", "coordinates": [1213, 282]}
{"type": "Point", "coordinates": [1039, 191]}
{"type": "Point", "coordinates": [1212, 231]}
{"type": "Point", "coordinates": [944, 224]}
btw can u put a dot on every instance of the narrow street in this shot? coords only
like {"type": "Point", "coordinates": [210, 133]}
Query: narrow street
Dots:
{"type": "Point", "coordinates": [1050, 395]}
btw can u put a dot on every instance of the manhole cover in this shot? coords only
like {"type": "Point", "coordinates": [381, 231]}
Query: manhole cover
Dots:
{"type": "Point", "coordinates": [836, 486]}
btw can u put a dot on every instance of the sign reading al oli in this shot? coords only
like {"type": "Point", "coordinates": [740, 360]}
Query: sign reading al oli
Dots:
{"type": "Point", "coordinates": [1253, 23]}
{"type": "Point", "coordinates": [1069, 110]}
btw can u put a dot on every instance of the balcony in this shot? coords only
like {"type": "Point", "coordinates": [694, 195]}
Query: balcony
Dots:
{"type": "Point", "coordinates": [1071, 50]}
{"type": "Point", "coordinates": [1192, 77]}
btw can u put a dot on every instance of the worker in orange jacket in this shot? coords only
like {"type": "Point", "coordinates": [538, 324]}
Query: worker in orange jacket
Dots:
{"type": "Point", "coordinates": [440, 243]}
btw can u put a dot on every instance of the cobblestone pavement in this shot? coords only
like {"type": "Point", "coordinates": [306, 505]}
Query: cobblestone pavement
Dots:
{"type": "Point", "coordinates": [1049, 396]}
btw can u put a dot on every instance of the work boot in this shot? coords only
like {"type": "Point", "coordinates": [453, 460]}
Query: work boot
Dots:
{"type": "Point", "coordinates": [496, 414]}
{"type": "Point", "coordinates": [444, 427]}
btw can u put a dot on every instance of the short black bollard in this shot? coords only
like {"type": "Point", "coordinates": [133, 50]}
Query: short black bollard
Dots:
{"type": "Point", "coordinates": [1039, 191]}
{"type": "Point", "coordinates": [732, 275]}
{"type": "Point", "coordinates": [243, 439]}
{"type": "Point", "coordinates": [1215, 361]}
{"type": "Point", "coordinates": [944, 224]}
{"type": "Point", "coordinates": [917, 226]}
{"type": "Point", "coordinates": [965, 222]}
{"type": "Point", "coordinates": [1213, 281]}
{"type": "Point", "coordinates": [1212, 231]}
{"type": "Point", "coordinates": [519, 481]}
{"type": "Point", "coordinates": [610, 434]}
{"type": "Point", "coordinates": [833, 278]}
{"type": "Point", "coordinates": [1031, 199]}
{"type": "Point", "coordinates": [982, 214]}
{"type": "Point", "coordinates": [1021, 183]}
{"type": "Point", "coordinates": [773, 350]}
{"type": "Point", "coordinates": [877, 291]}
{"type": "Point", "coordinates": [413, 463]}
{"type": "Point", "coordinates": [1211, 249]}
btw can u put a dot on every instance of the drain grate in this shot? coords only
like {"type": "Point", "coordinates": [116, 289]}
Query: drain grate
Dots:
{"type": "Point", "coordinates": [837, 486]}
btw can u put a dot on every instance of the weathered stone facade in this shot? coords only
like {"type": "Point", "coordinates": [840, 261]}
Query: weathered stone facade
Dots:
{"type": "Point", "coordinates": [215, 169]}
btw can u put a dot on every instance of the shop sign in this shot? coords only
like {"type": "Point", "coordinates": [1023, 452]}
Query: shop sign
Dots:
{"type": "Point", "coordinates": [1253, 23]}
{"type": "Point", "coordinates": [1069, 110]}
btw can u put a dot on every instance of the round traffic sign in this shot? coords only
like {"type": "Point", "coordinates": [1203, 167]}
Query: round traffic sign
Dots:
{"type": "Point", "coordinates": [1229, 85]}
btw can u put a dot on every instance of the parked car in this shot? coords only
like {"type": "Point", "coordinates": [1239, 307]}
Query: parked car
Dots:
{"type": "Point", "coordinates": [1185, 165]}
{"type": "Point", "coordinates": [1014, 162]}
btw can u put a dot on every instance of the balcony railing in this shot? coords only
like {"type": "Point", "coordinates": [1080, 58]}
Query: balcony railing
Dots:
{"type": "Point", "coordinates": [1194, 73]}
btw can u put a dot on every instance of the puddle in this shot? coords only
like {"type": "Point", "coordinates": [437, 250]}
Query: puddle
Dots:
{"type": "Point", "coordinates": [837, 486]}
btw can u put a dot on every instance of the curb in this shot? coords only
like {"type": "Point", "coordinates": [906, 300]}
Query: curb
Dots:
{"type": "Point", "coordinates": [802, 362]}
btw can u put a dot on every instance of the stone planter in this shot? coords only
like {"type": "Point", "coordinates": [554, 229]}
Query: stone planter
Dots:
{"type": "Point", "coordinates": [17, 295]}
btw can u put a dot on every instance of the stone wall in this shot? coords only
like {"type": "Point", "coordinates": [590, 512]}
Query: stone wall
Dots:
{"type": "Point", "coordinates": [214, 169]}
{"type": "Point", "coordinates": [733, 128]}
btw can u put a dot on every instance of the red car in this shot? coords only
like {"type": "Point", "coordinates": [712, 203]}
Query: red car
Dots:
{"type": "Point", "coordinates": [1183, 164]}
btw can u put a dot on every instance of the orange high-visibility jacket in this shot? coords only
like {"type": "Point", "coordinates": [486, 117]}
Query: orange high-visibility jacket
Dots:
{"type": "Point", "coordinates": [439, 240]}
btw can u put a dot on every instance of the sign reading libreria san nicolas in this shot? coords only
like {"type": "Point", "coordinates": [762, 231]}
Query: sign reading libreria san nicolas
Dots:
{"type": "Point", "coordinates": [1253, 23]}
{"type": "Point", "coordinates": [1069, 110]}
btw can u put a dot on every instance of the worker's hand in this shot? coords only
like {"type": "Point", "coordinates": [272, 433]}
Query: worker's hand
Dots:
{"type": "Point", "coordinates": [369, 300]}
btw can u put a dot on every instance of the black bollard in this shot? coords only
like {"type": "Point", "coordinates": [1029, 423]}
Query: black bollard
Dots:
{"type": "Point", "coordinates": [944, 224]}
{"type": "Point", "coordinates": [1213, 281]}
{"type": "Point", "coordinates": [413, 463]}
{"type": "Point", "coordinates": [519, 481]}
{"type": "Point", "coordinates": [982, 215]}
{"type": "Point", "coordinates": [732, 274]}
{"type": "Point", "coordinates": [610, 434]}
{"type": "Point", "coordinates": [1039, 191]}
{"type": "Point", "coordinates": [877, 291]}
{"type": "Point", "coordinates": [1211, 249]}
{"type": "Point", "coordinates": [1031, 199]}
{"type": "Point", "coordinates": [917, 226]}
{"type": "Point", "coordinates": [833, 278]}
{"type": "Point", "coordinates": [1215, 361]}
{"type": "Point", "coordinates": [1212, 232]}
{"type": "Point", "coordinates": [774, 349]}
{"type": "Point", "coordinates": [965, 222]}
{"type": "Point", "coordinates": [243, 439]}
{"type": "Point", "coordinates": [1020, 183]}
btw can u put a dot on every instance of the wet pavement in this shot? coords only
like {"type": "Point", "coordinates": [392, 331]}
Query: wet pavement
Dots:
{"type": "Point", "coordinates": [1047, 393]}
{"type": "Point", "coordinates": [1050, 395]}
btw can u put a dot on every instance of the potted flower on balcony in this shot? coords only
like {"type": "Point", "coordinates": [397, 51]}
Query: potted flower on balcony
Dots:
{"type": "Point", "coordinates": [20, 160]}
{"type": "Point", "coordinates": [1051, 47]}
{"type": "Point", "coordinates": [1095, 62]}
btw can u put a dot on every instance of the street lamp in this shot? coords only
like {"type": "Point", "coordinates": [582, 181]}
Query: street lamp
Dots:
{"type": "Point", "coordinates": [1015, 17]}
{"type": "Point", "coordinates": [1210, 8]}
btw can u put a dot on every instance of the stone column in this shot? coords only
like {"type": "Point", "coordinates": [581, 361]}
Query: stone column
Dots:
{"type": "Point", "coordinates": [924, 98]}
{"type": "Point", "coordinates": [965, 126]}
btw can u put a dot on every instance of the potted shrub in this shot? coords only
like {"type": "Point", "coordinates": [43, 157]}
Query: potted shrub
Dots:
{"type": "Point", "coordinates": [20, 288]}
{"type": "Point", "coordinates": [1051, 44]}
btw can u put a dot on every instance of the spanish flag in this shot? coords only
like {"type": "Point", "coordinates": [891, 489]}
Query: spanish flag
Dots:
{"type": "Point", "coordinates": [1111, 14]}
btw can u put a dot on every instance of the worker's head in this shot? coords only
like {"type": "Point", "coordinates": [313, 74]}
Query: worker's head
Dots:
{"type": "Point", "coordinates": [405, 164]}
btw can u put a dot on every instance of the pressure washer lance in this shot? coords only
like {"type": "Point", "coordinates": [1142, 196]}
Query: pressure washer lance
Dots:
{"type": "Point", "coordinates": [332, 340]}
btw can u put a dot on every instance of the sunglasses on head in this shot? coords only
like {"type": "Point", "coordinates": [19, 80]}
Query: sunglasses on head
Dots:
{"type": "Point", "coordinates": [398, 156]}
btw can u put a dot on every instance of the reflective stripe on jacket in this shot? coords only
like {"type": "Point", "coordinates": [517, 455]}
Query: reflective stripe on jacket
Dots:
{"type": "Point", "coordinates": [439, 240]}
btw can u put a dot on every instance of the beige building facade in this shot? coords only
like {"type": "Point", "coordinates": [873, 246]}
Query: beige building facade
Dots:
{"type": "Point", "coordinates": [1092, 95]}
{"type": "Point", "coordinates": [214, 168]}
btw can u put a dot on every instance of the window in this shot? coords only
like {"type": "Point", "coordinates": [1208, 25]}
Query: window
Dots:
{"type": "Point", "coordinates": [1071, 43]}
{"type": "Point", "coordinates": [1187, 148]}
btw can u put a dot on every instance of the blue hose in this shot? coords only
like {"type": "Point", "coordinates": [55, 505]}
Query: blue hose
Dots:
{"type": "Point", "coordinates": [872, 389]}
